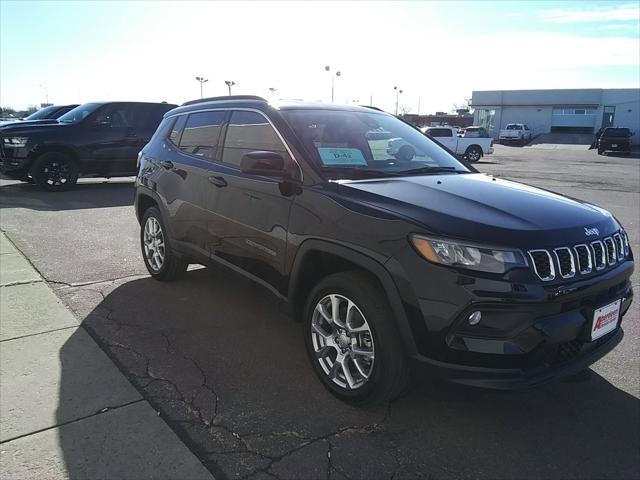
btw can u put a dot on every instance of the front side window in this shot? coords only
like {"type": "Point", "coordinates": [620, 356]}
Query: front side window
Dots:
{"type": "Point", "coordinates": [201, 133]}
{"type": "Point", "coordinates": [248, 132]}
{"type": "Point", "coordinates": [349, 144]}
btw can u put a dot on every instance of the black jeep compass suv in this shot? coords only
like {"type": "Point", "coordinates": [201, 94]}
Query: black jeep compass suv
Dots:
{"type": "Point", "coordinates": [391, 261]}
{"type": "Point", "coordinates": [99, 139]}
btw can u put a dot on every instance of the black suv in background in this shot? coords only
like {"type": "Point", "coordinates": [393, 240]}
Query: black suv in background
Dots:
{"type": "Point", "coordinates": [44, 115]}
{"type": "Point", "coordinates": [99, 139]}
{"type": "Point", "coordinates": [389, 260]}
{"type": "Point", "coordinates": [614, 139]}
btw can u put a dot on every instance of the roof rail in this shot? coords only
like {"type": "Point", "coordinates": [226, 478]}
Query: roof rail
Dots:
{"type": "Point", "coordinates": [227, 97]}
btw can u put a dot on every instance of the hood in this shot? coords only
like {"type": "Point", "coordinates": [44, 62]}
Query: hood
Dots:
{"type": "Point", "coordinates": [31, 127]}
{"type": "Point", "coordinates": [24, 123]}
{"type": "Point", "coordinates": [484, 209]}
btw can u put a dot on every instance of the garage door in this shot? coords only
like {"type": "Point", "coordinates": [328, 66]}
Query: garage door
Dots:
{"type": "Point", "coordinates": [574, 119]}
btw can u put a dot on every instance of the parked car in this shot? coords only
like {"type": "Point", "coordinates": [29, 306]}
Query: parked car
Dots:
{"type": "Point", "coordinates": [392, 266]}
{"type": "Point", "coordinates": [614, 139]}
{"type": "Point", "coordinates": [472, 149]}
{"type": "Point", "coordinates": [99, 139]}
{"type": "Point", "coordinates": [476, 132]}
{"type": "Point", "coordinates": [515, 132]}
{"type": "Point", "coordinates": [44, 115]}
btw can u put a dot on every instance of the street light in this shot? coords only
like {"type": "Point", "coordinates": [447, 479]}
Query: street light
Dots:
{"type": "Point", "coordinates": [398, 92]}
{"type": "Point", "coordinates": [230, 84]}
{"type": "Point", "coordinates": [333, 80]}
{"type": "Point", "coordinates": [202, 81]}
{"type": "Point", "coordinates": [273, 90]}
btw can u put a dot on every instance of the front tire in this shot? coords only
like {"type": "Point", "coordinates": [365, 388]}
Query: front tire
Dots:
{"type": "Point", "coordinates": [352, 340]}
{"type": "Point", "coordinates": [161, 262]}
{"type": "Point", "coordinates": [55, 171]}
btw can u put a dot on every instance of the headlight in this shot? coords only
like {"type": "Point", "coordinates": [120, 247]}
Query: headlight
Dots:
{"type": "Point", "coordinates": [474, 257]}
{"type": "Point", "coordinates": [14, 142]}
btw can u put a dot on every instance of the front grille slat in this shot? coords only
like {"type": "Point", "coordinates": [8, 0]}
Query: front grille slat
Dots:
{"type": "Point", "coordinates": [581, 259]}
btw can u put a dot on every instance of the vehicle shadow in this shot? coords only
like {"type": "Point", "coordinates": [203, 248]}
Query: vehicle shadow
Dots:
{"type": "Point", "coordinates": [87, 194]}
{"type": "Point", "coordinates": [227, 369]}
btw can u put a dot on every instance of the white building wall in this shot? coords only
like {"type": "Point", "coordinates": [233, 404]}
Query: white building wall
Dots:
{"type": "Point", "coordinates": [535, 107]}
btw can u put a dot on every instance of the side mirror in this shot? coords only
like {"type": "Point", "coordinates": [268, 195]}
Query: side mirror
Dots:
{"type": "Point", "coordinates": [262, 162]}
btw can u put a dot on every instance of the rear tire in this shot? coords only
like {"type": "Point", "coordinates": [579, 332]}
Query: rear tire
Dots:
{"type": "Point", "coordinates": [55, 171]}
{"type": "Point", "coordinates": [160, 260]}
{"type": "Point", "coordinates": [358, 356]}
{"type": "Point", "coordinates": [473, 154]}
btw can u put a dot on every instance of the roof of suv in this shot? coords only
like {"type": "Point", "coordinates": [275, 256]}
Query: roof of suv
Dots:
{"type": "Point", "coordinates": [252, 101]}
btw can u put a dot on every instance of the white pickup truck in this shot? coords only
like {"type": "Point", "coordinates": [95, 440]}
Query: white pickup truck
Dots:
{"type": "Point", "coordinates": [515, 132]}
{"type": "Point", "coordinates": [472, 149]}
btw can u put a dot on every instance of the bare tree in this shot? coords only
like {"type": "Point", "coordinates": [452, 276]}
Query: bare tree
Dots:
{"type": "Point", "coordinates": [404, 109]}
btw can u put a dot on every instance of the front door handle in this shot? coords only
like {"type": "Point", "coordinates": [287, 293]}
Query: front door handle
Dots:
{"type": "Point", "coordinates": [218, 181]}
{"type": "Point", "coordinates": [167, 164]}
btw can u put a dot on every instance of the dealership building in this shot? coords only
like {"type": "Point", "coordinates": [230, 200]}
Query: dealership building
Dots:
{"type": "Point", "coordinates": [570, 111]}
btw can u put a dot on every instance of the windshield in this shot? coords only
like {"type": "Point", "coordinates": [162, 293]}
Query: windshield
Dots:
{"type": "Point", "coordinates": [345, 144]}
{"type": "Point", "coordinates": [513, 126]}
{"type": "Point", "coordinates": [79, 113]}
{"type": "Point", "coordinates": [42, 113]}
{"type": "Point", "coordinates": [616, 132]}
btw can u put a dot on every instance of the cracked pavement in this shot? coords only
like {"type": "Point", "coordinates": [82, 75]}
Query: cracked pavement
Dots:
{"type": "Point", "coordinates": [226, 368]}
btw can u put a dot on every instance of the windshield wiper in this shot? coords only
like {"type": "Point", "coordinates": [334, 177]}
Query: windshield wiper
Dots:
{"type": "Point", "coordinates": [354, 171]}
{"type": "Point", "coordinates": [427, 170]}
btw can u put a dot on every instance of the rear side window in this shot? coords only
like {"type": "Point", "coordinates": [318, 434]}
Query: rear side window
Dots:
{"type": "Point", "coordinates": [148, 116]}
{"type": "Point", "coordinates": [201, 133]}
{"type": "Point", "coordinates": [440, 132]}
{"type": "Point", "coordinates": [176, 131]}
{"type": "Point", "coordinates": [249, 131]}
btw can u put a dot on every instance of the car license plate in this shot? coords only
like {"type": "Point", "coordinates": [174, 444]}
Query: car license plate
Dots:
{"type": "Point", "coordinates": [605, 319]}
{"type": "Point", "coordinates": [614, 145]}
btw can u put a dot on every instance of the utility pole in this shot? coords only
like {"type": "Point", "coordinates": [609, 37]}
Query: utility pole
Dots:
{"type": "Point", "coordinates": [398, 92]}
{"type": "Point", "coordinates": [419, 100]}
{"type": "Point", "coordinates": [230, 83]}
{"type": "Point", "coordinates": [333, 80]}
{"type": "Point", "coordinates": [202, 81]}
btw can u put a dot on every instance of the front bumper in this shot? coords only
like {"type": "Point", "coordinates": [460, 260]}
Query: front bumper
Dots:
{"type": "Point", "coordinates": [558, 366]}
{"type": "Point", "coordinates": [529, 333]}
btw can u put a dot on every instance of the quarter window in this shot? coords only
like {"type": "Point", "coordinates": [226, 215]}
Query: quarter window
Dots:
{"type": "Point", "coordinates": [247, 132]}
{"type": "Point", "coordinates": [176, 131]}
{"type": "Point", "coordinates": [200, 134]}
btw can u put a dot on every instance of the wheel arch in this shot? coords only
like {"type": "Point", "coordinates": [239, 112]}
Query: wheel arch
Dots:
{"type": "Point", "coordinates": [42, 149]}
{"type": "Point", "coordinates": [316, 259]}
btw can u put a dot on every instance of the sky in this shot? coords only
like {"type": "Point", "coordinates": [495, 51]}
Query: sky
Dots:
{"type": "Point", "coordinates": [436, 52]}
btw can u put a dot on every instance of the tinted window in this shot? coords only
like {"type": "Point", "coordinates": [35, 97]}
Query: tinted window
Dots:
{"type": "Point", "coordinates": [117, 115]}
{"type": "Point", "coordinates": [249, 131]}
{"type": "Point", "coordinates": [616, 132]}
{"type": "Point", "coordinates": [513, 126]}
{"type": "Point", "coordinates": [526, 127]}
{"type": "Point", "coordinates": [148, 116]}
{"type": "Point", "coordinates": [176, 131]}
{"type": "Point", "coordinates": [440, 132]}
{"type": "Point", "coordinates": [201, 132]}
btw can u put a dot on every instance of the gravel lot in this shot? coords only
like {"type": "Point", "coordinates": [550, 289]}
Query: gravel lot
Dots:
{"type": "Point", "coordinates": [215, 355]}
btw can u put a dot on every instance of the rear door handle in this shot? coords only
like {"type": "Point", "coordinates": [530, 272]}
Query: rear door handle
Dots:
{"type": "Point", "coordinates": [167, 164]}
{"type": "Point", "coordinates": [218, 181]}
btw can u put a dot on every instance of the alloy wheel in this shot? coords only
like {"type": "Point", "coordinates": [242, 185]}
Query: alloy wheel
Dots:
{"type": "Point", "coordinates": [342, 341]}
{"type": "Point", "coordinates": [56, 173]}
{"type": "Point", "coordinates": [154, 249]}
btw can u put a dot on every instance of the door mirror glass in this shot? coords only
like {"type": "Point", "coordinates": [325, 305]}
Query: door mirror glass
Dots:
{"type": "Point", "coordinates": [262, 162]}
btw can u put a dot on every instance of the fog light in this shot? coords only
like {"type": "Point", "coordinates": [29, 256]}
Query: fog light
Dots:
{"type": "Point", "coordinates": [475, 318]}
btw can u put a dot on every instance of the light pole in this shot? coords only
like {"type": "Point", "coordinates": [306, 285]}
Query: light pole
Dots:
{"type": "Point", "coordinates": [398, 92]}
{"type": "Point", "coordinates": [230, 83]}
{"type": "Point", "coordinates": [273, 90]}
{"type": "Point", "coordinates": [202, 81]}
{"type": "Point", "coordinates": [46, 93]}
{"type": "Point", "coordinates": [333, 80]}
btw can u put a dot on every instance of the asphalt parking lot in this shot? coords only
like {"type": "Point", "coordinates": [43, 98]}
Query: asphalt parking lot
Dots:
{"type": "Point", "coordinates": [226, 368]}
